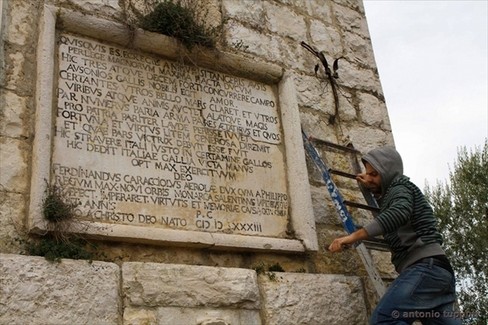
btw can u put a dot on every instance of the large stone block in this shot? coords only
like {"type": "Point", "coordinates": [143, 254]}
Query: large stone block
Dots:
{"type": "Point", "coordinates": [366, 138]}
{"type": "Point", "coordinates": [314, 92]}
{"type": "Point", "coordinates": [353, 76]}
{"type": "Point", "coordinates": [320, 9]}
{"type": "Point", "coordinates": [186, 294]}
{"type": "Point", "coordinates": [324, 210]}
{"type": "Point", "coordinates": [295, 298]}
{"type": "Point", "coordinates": [187, 316]}
{"type": "Point", "coordinates": [318, 126]}
{"type": "Point", "coordinates": [14, 117]}
{"type": "Point", "coordinates": [284, 22]}
{"type": "Point", "coordinates": [359, 49]}
{"type": "Point", "coordinates": [383, 263]}
{"type": "Point", "coordinates": [35, 291]}
{"type": "Point", "coordinates": [151, 284]}
{"type": "Point", "coordinates": [251, 41]}
{"type": "Point", "coordinates": [12, 212]}
{"type": "Point", "coordinates": [373, 111]}
{"type": "Point", "coordinates": [104, 7]}
{"type": "Point", "coordinates": [250, 12]}
{"type": "Point", "coordinates": [20, 28]}
{"type": "Point", "coordinates": [351, 20]}
{"type": "Point", "coordinates": [326, 38]}
{"type": "Point", "coordinates": [14, 176]}
{"type": "Point", "coordinates": [346, 104]}
{"type": "Point", "coordinates": [15, 63]}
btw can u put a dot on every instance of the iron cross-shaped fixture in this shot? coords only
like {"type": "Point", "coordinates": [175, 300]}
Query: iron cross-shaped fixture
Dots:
{"type": "Point", "coordinates": [331, 75]}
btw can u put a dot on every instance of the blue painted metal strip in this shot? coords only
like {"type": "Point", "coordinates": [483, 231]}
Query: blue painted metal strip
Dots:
{"type": "Point", "coordinates": [335, 195]}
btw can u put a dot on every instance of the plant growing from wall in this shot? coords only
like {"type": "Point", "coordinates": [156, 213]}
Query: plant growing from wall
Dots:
{"type": "Point", "coordinates": [59, 242]}
{"type": "Point", "coordinates": [54, 249]}
{"type": "Point", "coordinates": [55, 206]}
{"type": "Point", "coordinates": [171, 18]}
{"type": "Point", "coordinates": [261, 269]}
{"type": "Point", "coordinates": [276, 268]}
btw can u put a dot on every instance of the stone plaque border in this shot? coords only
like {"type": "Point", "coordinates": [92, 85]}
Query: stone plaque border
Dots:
{"type": "Point", "coordinates": [301, 212]}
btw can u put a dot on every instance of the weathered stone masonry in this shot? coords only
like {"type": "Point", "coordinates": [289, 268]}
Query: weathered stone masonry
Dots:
{"type": "Point", "coordinates": [157, 275]}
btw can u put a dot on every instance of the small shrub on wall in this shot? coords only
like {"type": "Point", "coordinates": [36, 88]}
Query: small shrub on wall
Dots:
{"type": "Point", "coordinates": [173, 19]}
{"type": "Point", "coordinates": [59, 242]}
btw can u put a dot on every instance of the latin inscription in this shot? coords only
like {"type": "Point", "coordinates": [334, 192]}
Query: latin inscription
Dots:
{"type": "Point", "coordinates": [148, 142]}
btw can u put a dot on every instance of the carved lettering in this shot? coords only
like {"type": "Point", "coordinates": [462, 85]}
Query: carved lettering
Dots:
{"type": "Point", "coordinates": [152, 143]}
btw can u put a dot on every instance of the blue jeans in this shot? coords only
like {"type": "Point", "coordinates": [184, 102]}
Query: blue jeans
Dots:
{"type": "Point", "coordinates": [424, 292]}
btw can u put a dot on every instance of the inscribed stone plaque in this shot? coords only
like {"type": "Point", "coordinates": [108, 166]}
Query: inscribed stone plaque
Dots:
{"type": "Point", "coordinates": [147, 142]}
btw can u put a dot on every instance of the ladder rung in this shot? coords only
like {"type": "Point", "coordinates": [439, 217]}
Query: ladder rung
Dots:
{"type": "Point", "coordinates": [376, 244]}
{"type": "Point", "coordinates": [335, 145]}
{"type": "Point", "coordinates": [341, 173]}
{"type": "Point", "coordinates": [361, 206]}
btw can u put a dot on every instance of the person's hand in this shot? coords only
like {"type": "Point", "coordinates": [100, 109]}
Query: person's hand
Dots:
{"type": "Point", "coordinates": [361, 178]}
{"type": "Point", "coordinates": [339, 244]}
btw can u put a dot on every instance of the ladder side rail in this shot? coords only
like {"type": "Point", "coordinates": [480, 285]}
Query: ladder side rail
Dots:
{"type": "Point", "coordinates": [344, 215]}
{"type": "Point", "coordinates": [373, 273]}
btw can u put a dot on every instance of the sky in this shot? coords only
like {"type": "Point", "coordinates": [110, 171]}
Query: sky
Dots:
{"type": "Point", "coordinates": [432, 58]}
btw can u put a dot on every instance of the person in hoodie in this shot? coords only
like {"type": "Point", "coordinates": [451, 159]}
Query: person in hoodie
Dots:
{"type": "Point", "coordinates": [425, 287]}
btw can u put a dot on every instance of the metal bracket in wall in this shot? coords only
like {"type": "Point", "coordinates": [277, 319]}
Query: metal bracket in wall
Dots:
{"type": "Point", "coordinates": [331, 76]}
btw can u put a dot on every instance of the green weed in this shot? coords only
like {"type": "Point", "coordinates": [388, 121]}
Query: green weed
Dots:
{"type": "Point", "coordinates": [172, 19]}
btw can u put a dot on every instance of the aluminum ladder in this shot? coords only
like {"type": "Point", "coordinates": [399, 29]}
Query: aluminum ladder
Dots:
{"type": "Point", "coordinates": [340, 205]}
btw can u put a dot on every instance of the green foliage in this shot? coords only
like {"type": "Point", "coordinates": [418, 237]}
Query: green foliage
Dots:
{"type": "Point", "coordinates": [462, 209]}
{"type": "Point", "coordinates": [55, 207]}
{"type": "Point", "coordinates": [276, 268]}
{"type": "Point", "coordinates": [59, 242]}
{"type": "Point", "coordinates": [172, 19]}
{"type": "Point", "coordinates": [261, 269]}
{"type": "Point", "coordinates": [54, 250]}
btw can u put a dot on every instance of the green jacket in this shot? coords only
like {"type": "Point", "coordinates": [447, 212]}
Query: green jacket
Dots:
{"type": "Point", "coordinates": [406, 219]}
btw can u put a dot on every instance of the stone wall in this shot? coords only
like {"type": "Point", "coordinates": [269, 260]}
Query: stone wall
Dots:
{"type": "Point", "coordinates": [134, 282]}
{"type": "Point", "coordinates": [35, 291]}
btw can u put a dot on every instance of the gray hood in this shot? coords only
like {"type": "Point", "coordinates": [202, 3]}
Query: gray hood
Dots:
{"type": "Point", "coordinates": [387, 162]}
